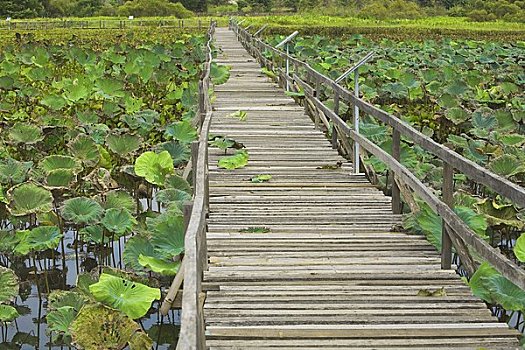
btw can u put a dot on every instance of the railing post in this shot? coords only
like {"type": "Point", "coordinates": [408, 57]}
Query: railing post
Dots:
{"type": "Point", "coordinates": [194, 156]}
{"type": "Point", "coordinates": [336, 111]}
{"type": "Point", "coordinates": [356, 122]}
{"type": "Point", "coordinates": [317, 94]}
{"type": "Point", "coordinates": [396, 153]}
{"type": "Point", "coordinates": [202, 93]}
{"type": "Point", "coordinates": [448, 198]}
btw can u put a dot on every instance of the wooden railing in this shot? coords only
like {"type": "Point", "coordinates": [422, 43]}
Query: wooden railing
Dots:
{"type": "Point", "coordinates": [102, 24]}
{"type": "Point", "coordinates": [195, 258]}
{"type": "Point", "coordinates": [455, 232]}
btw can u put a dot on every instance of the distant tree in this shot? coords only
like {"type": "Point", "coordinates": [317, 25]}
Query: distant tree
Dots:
{"type": "Point", "coordinates": [194, 5]}
{"type": "Point", "coordinates": [145, 8]}
{"type": "Point", "coordinates": [21, 8]}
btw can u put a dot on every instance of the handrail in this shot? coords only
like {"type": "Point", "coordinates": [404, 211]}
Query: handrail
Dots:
{"type": "Point", "coordinates": [195, 251]}
{"type": "Point", "coordinates": [455, 229]}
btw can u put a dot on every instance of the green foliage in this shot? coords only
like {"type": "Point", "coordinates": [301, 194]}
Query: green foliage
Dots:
{"type": "Point", "coordinates": [239, 160]}
{"type": "Point", "coordinates": [154, 167]}
{"type": "Point", "coordinates": [82, 210]}
{"type": "Point", "coordinates": [150, 8]}
{"type": "Point", "coordinates": [241, 115]}
{"type": "Point", "coordinates": [391, 9]}
{"type": "Point", "coordinates": [261, 178]}
{"type": "Point", "coordinates": [132, 298]}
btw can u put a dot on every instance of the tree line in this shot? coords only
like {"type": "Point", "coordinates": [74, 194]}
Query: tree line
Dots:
{"type": "Point", "coordinates": [479, 10]}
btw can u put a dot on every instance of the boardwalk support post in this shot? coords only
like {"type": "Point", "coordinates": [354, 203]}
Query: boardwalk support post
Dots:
{"type": "Point", "coordinates": [396, 153]}
{"type": "Point", "coordinates": [448, 198]}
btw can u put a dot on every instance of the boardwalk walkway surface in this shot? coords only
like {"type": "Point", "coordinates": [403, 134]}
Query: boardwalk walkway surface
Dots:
{"type": "Point", "coordinates": [330, 273]}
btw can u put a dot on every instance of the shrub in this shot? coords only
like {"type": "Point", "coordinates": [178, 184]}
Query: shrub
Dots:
{"type": "Point", "coordinates": [151, 8]}
{"type": "Point", "coordinates": [392, 9]}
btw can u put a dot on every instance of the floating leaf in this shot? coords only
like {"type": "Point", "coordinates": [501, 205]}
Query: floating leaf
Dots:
{"type": "Point", "coordinates": [239, 160]}
{"type": "Point", "coordinates": [140, 341]}
{"type": "Point", "coordinates": [119, 199]}
{"type": "Point", "coordinates": [60, 320]}
{"type": "Point", "coordinates": [29, 198]}
{"type": "Point", "coordinates": [82, 210]}
{"type": "Point", "coordinates": [60, 179]}
{"type": "Point", "coordinates": [154, 167]}
{"type": "Point", "coordinates": [132, 298]}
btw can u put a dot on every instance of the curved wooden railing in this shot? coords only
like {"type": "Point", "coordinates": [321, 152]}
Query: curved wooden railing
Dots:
{"type": "Point", "coordinates": [456, 233]}
{"type": "Point", "coordinates": [195, 250]}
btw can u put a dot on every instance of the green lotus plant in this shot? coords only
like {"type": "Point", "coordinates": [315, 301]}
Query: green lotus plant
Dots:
{"type": "Point", "coordinates": [154, 167]}
{"type": "Point", "coordinates": [123, 144]}
{"type": "Point", "coordinates": [25, 134]}
{"type": "Point", "coordinates": [85, 149]}
{"type": "Point", "coordinates": [181, 131]}
{"type": "Point", "coordinates": [118, 221]}
{"type": "Point", "coordinates": [14, 172]}
{"type": "Point", "coordinates": [29, 198]}
{"type": "Point", "coordinates": [162, 266]}
{"type": "Point", "coordinates": [9, 290]}
{"type": "Point", "coordinates": [57, 162]}
{"type": "Point", "coordinates": [82, 210]}
{"type": "Point", "coordinates": [38, 239]}
{"type": "Point", "coordinates": [135, 247]}
{"type": "Point", "coordinates": [97, 326]}
{"type": "Point", "coordinates": [519, 248]}
{"type": "Point", "coordinates": [132, 298]}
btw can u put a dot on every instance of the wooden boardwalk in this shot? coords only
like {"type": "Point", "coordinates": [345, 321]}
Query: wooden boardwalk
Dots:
{"type": "Point", "coordinates": [330, 273]}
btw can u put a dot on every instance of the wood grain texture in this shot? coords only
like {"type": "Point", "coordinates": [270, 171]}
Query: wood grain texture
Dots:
{"type": "Point", "coordinates": [330, 272]}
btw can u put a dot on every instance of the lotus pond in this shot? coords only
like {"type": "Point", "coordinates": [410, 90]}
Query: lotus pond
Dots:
{"type": "Point", "coordinates": [467, 94]}
{"type": "Point", "coordinates": [95, 132]}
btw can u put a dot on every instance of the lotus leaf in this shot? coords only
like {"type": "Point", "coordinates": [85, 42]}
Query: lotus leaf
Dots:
{"type": "Point", "coordinates": [57, 162]}
{"type": "Point", "coordinates": [171, 195]}
{"type": "Point", "coordinates": [261, 178]}
{"type": "Point", "coordinates": [62, 298]}
{"type": "Point", "coordinates": [84, 148]}
{"type": "Point", "coordinates": [25, 133]}
{"type": "Point", "coordinates": [93, 234]}
{"type": "Point", "coordinates": [136, 246]}
{"type": "Point", "coordinates": [164, 267]}
{"type": "Point", "coordinates": [132, 298]}
{"type": "Point", "coordinates": [14, 172]}
{"type": "Point", "coordinates": [154, 167]}
{"type": "Point", "coordinates": [239, 160]}
{"type": "Point", "coordinates": [55, 102]}
{"type": "Point", "coordinates": [60, 320]}
{"type": "Point", "coordinates": [477, 281]}
{"type": "Point", "coordinates": [29, 198]}
{"type": "Point", "coordinates": [8, 313]}
{"type": "Point", "coordinates": [506, 293]}
{"type": "Point", "coordinates": [179, 152]}
{"type": "Point", "coordinates": [519, 248]}
{"type": "Point", "coordinates": [143, 120]}
{"type": "Point", "coordinates": [507, 165]}
{"type": "Point", "coordinates": [178, 182]}
{"type": "Point", "coordinates": [8, 242]}
{"type": "Point", "coordinates": [60, 179]}
{"type": "Point", "coordinates": [140, 341]}
{"type": "Point", "coordinates": [39, 239]}
{"type": "Point", "coordinates": [181, 131]}
{"type": "Point", "coordinates": [9, 283]}
{"type": "Point", "coordinates": [123, 144]}
{"type": "Point", "coordinates": [118, 221]}
{"type": "Point", "coordinates": [98, 327]}
{"type": "Point", "coordinates": [167, 234]}
{"type": "Point", "coordinates": [119, 199]}
{"type": "Point", "coordinates": [219, 73]}
{"type": "Point", "coordinates": [82, 210]}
